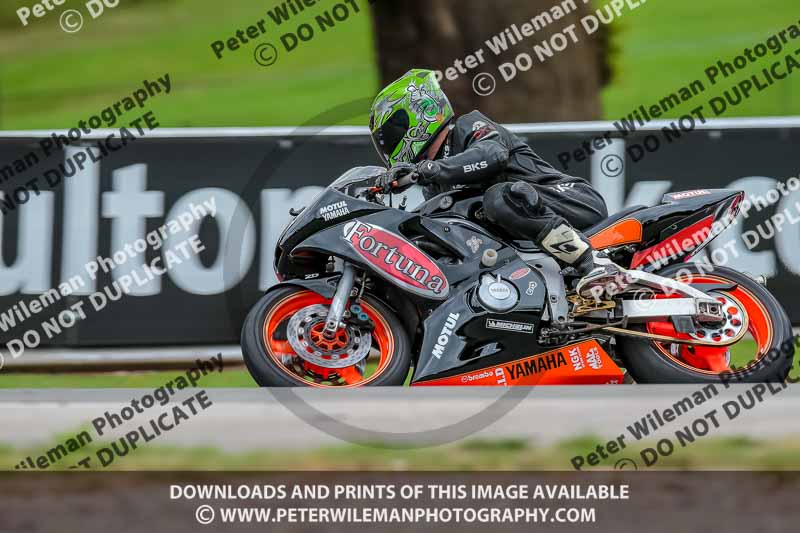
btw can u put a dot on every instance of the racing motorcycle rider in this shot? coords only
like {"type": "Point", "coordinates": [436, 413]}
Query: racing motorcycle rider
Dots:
{"type": "Point", "coordinates": [415, 131]}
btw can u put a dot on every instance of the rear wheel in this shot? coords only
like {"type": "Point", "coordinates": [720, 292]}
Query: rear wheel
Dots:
{"type": "Point", "coordinates": [749, 306]}
{"type": "Point", "coordinates": [284, 344]}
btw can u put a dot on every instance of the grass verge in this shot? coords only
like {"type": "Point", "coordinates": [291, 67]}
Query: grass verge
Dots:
{"type": "Point", "coordinates": [51, 79]}
{"type": "Point", "coordinates": [732, 453]}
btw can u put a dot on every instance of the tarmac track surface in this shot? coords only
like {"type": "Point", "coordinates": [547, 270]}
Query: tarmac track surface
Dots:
{"type": "Point", "coordinates": [250, 419]}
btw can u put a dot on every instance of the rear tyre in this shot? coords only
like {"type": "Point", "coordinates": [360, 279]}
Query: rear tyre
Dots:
{"type": "Point", "coordinates": [273, 362]}
{"type": "Point", "coordinates": [652, 362]}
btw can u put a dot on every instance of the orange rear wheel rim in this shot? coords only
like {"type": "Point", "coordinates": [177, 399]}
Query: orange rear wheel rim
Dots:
{"type": "Point", "coordinates": [760, 325]}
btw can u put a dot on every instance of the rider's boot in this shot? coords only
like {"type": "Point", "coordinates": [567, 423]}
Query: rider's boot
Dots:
{"type": "Point", "coordinates": [600, 277]}
{"type": "Point", "coordinates": [518, 206]}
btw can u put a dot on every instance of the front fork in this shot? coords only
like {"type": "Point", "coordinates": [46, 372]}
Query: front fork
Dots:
{"type": "Point", "coordinates": [340, 299]}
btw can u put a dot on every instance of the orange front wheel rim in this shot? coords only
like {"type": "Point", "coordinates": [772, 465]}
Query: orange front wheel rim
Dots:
{"type": "Point", "coordinates": [315, 373]}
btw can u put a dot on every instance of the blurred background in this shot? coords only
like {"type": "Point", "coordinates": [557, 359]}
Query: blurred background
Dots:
{"type": "Point", "coordinates": [227, 130]}
{"type": "Point", "coordinates": [217, 132]}
{"type": "Point", "coordinates": [51, 79]}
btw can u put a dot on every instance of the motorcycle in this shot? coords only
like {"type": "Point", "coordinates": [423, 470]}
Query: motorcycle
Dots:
{"type": "Point", "coordinates": [369, 292]}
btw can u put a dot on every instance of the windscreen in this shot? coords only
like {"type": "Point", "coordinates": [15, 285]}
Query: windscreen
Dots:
{"type": "Point", "coordinates": [357, 178]}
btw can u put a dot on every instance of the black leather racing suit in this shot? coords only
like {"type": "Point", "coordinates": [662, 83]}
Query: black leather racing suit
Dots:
{"type": "Point", "coordinates": [524, 195]}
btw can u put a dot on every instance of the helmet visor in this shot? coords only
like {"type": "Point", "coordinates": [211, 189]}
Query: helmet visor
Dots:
{"type": "Point", "coordinates": [389, 136]}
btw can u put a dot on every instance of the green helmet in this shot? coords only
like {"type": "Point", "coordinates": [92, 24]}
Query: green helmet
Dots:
{"type": "Point", "coordinates": [407, 115]}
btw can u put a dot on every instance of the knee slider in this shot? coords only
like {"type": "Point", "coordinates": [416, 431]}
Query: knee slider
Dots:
{"type": "Point", "coordinates": [523, 199]}
{"type": "Point", "coordinates": [493, 204]}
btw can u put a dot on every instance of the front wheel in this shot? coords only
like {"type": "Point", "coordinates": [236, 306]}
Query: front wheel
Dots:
{"type": "Point", "coordinates": [284, 346]}
{"type": "Point", "coordinates": [765, 354]}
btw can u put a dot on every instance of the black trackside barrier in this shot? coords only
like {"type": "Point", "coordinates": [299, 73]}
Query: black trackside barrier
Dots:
{"type": "Point", "coordinates": [69, 246]}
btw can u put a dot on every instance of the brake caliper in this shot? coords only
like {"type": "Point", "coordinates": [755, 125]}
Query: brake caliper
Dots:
{"type": "Point", "coordinates": [359, 318]}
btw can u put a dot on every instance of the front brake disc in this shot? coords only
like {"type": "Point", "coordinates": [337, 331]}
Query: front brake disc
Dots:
{"type": "Point", "coordinates": [299, 333]}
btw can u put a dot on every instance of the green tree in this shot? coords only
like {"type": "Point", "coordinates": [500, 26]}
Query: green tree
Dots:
{"type": "Point", "coordinates": [434, 33]}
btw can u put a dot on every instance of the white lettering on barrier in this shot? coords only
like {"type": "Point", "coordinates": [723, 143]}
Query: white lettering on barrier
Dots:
{"type": "Point", "coordinates": [30, 271]}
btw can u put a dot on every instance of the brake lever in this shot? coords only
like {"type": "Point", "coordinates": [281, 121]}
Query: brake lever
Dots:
{"type": "Point", "coordinates": [409, 179]}
{"type": "Point", "coordinates": [381, 190]}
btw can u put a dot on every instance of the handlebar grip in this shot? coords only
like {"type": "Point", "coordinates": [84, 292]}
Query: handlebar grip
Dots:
{"type": "Point", "coordinates": [409, 179]}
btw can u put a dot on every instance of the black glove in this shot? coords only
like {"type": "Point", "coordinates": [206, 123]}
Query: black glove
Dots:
{"type": "Point", "coordinates": [427, 171]}
{"type": "Point", "coordinates": [386, 182]}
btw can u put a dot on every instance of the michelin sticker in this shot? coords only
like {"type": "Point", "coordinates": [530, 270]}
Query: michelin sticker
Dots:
{"type": "Point", "coordinates": [506, 325]}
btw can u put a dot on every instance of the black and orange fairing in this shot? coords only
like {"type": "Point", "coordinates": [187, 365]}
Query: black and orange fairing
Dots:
{"type": "Point", "coordinates": [437, 251]}
{"type": "Point", "coordinates": [668, 233]}
{"type": "Point", "coordinates": [582, 363]}
{"type": "Point", "coordinates": [627, 231]}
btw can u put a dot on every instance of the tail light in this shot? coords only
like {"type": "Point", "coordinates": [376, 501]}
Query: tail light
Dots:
{"type": "Point", "coordinates": [735, 207]}
{"type": "Point", "coordinates": [724, 218]}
